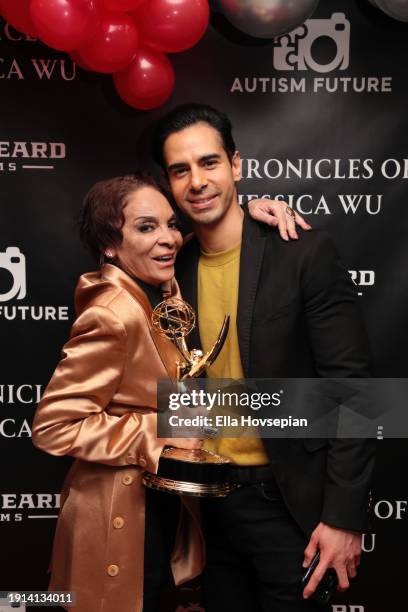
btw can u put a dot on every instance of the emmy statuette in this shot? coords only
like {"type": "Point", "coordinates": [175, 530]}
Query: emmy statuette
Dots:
{"type": "Point", "coordinates": [184, 471]}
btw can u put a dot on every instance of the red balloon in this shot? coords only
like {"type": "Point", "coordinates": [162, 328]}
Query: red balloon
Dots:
{"type": "Point", "coordinates": [121, 5]}
{"type": "Point", "coordinates": [65, 24]}
{"type": "Point", "coordinates": [74, 55]}
{"type": "Point", "coordinates": [172, 25]}
{"type": "Point", "coordinates": [114, 44]}
{"type": "Point", "coordinates": [17, 13]}
{"type": "Point", "coordinates": [147, 82]}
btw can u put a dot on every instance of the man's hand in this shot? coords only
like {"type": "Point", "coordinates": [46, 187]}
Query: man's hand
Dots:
{"type": "Point", "coordinates": [339, 548]}
{"type": "Point", "coordinates": [273, 212]}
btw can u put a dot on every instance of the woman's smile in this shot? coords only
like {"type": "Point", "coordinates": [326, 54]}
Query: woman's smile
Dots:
{"type": "Point", "coordinates": [151, 237]}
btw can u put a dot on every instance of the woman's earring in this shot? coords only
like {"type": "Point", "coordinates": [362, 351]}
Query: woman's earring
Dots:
{"type": "Point", "coordinates": [109, 254]}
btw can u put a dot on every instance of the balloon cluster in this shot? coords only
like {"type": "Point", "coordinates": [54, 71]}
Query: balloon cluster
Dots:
{"type": "Point", "coordinates": [126, 38]}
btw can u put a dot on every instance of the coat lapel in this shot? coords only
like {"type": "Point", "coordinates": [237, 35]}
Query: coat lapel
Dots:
{"type": "Point", "coordinates": [252, 251]}
{"type": "Point", "coordinates": [164, 346]}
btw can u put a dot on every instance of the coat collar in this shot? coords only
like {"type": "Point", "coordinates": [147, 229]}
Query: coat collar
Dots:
{"type": "Point", "coordinates": [164, 346]}
{"type": "Point", "coordinates": [118, 277]}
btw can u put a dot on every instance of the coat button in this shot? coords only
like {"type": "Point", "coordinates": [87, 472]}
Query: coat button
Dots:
{"type": "Point", "coordinates": [118, 522]}
{"type": "Point", "coordinates": [130, 459]}
{"type": "Point", "coordinates": [127, 479]}
{"type": "Point", "coordinates": [113, 570]}
{"type": "Point", "coordinates": [142, 461]}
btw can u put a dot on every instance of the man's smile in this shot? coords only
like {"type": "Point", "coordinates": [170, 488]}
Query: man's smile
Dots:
{"type": "Point", "coordinates": [199, 203]}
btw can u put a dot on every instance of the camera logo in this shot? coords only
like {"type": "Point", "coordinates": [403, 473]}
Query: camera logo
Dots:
{"type": "Point", "coordinates": [295, 50]}
{"type": "Point", "coordinates": [12, 260]}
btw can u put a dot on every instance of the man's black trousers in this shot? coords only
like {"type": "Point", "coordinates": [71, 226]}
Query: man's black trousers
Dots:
{"type": "Point", "coordinates": [254, 553]}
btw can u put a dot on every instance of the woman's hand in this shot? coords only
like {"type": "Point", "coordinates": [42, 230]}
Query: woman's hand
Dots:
{"type": "Point", "coordinates": [273, 212]}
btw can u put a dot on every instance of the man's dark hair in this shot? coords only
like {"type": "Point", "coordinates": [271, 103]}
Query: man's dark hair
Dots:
{"type": "Point", "coordinates": [101, 217]}
{"type": "Point", "coordinates": [185, 116]}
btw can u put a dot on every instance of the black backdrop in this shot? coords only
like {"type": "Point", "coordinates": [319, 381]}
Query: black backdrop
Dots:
{"type": "Point", "coordinates": [320, 119]}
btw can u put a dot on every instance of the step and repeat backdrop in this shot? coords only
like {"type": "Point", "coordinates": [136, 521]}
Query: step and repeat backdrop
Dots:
{"type": "Point", "coordinates": [321, 121]}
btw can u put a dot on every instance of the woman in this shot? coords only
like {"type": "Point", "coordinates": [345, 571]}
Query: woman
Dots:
{"type": "Point", "coordinates": [99, 407]}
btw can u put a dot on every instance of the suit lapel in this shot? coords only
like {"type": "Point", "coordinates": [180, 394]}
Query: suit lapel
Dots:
{"type": "Point", "coordinates": [186, 274]}
{"type": "Point", "coordinates": [252, 251]}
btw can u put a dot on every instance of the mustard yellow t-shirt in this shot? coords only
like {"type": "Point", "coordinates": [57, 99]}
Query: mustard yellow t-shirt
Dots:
{"type": "Point", "coordinates": [218, 282]}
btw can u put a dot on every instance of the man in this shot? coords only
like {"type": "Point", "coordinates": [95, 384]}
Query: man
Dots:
{"type": "Point", "coordinates": [293, 314]}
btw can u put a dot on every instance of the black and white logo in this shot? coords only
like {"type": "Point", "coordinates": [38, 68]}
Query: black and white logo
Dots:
{"type": "Point", "coordinates": [295, 50]}
{"type": "Point", "coordinates": [307, 55]}
{"type": "Point", "coordinates": [14, 262]}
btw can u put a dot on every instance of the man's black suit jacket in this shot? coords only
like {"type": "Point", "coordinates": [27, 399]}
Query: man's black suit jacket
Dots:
{"type": "Point", "coordinates": [298, 317]}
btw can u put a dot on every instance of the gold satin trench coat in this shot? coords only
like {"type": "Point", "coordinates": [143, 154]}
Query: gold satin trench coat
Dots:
{"type": "Point", "coordinates": [100, 407]}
